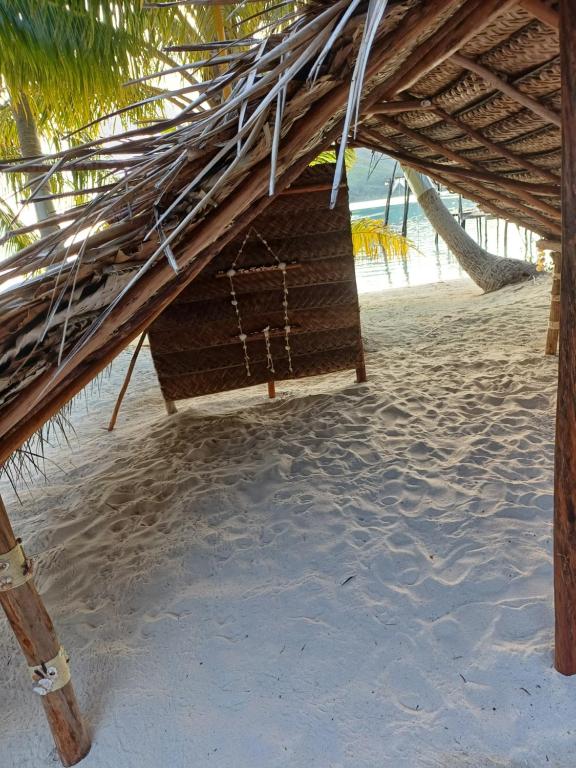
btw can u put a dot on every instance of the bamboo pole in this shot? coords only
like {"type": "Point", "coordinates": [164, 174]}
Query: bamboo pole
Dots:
{"type": "Point", "coordinates": [127, 378]}
{"type": "Point", "coordinates": [554, 319]}
{"type": "Point", "coordinates": [37, 638]}
{"type": "Point", "coordinates": [565, 464]}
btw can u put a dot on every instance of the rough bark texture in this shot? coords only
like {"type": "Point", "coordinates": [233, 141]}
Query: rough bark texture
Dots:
{"type": "Point", "coordinates": [30, 147]}
{"type": "Point", "coordinates": [565, 467]}
{"type": "Point", "coordinates": [37, 638]}
{"type": "Point", "coordinates": [489, 272]}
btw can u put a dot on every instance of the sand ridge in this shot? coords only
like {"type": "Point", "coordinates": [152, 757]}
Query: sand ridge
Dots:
{"type": "Point", "coordinates": [351, 576]}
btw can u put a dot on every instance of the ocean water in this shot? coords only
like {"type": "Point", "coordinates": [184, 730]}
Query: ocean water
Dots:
{"type": "Point", "coordinates": [429, 261]}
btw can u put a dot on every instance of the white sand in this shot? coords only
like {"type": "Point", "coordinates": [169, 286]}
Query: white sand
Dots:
{"type": "Point", "coordinates": [350, 576]}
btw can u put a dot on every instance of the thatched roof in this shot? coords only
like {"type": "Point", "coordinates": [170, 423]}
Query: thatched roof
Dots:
{"type": "Point", "coordinates": [465, 90]}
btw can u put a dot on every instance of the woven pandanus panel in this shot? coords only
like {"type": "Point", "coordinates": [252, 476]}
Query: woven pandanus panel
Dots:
{"type": "Point", "coordinates": [196, 342]}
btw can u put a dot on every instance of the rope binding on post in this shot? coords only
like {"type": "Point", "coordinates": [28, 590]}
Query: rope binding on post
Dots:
{"type": "Point", "coordinates": [15, 569]}
{"type": "Point", "coordinates": [51, 676]}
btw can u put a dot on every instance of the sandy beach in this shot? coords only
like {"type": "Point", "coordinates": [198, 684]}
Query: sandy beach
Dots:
{"type": "Point", "coordinates": [349, 576]}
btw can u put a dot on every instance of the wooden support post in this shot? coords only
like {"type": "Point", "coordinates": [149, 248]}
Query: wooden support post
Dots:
{"type": "Point", "coordinates": [565, 464]}
{"type": "Point", "coordinates": [271, 390]}
{"type": "Point", "coordinates": [361, 376]}
{"type": "Point", "coordinates": [554, 320]}
{"type": "Point", "coordinates": [170, 407]}
{"type": "Point", "coordinates": [35, 633]}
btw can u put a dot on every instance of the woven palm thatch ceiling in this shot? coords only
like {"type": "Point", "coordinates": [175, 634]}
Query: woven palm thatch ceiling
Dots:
{"type": "Point", "coordinates": [465, 90]}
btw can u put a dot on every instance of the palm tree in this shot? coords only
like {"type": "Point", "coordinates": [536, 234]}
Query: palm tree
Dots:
{"type": "Point", "coordinates": [66, 65]}
{"type": "Point", "coordinates": [489, 272]}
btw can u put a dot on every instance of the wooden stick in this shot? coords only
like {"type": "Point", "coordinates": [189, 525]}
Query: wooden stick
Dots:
{"type": "Point", "coordinates": [35, 633]}
{"type": "Point", "coordinates": [396, 107]}
{"type": "Point", "coordinates": [554, 318]}
{"type": "Point", "coordinates": [271, 390]}
{"type": "Point", "coordinates": [565, 464]}
{"type": "Point", "coordinates": [127, 378]}
{"type": "Point", "coordinates": [542, 12]}
{"type": "Point", "coordinates": [522, 98]}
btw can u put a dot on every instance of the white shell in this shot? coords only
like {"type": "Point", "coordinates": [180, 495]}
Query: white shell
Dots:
{"type": "Point", "coordinates": [39, 691]}
{"type": "Point", "coordinates": [231, 272]}
{"type": "Point", "coordinates": [46, 684]}
{"type": "Point", "coordinates": [242, 337]}
{"type": "Point", "coordinates": [282, 266]}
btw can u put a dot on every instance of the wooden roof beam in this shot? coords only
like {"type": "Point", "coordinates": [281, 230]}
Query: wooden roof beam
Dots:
{"type": "Point", "coordinates": [542, 12]}
{"type": "Point", "coordinates": [494, 147]}
{"type": "Point", "coordinates": [521, 98]}
{"type": "Point", "coordinates": [388, 145]}
{"type": "Point", "coordinates": [460, 28]}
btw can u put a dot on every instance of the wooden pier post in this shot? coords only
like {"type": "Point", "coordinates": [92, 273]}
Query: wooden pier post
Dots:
{"type": "Point", "coordinates": [271, 390]}
{"type": "Point", "coordinates": [554, 319]}
{"type": "Point", "coordinates": [35, 633]}
{"type": "Point", "coordinates": [565, 465]}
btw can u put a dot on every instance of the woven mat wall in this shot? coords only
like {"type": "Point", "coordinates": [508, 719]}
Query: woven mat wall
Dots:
{"type": "Point", "coordinates": [195, 343]}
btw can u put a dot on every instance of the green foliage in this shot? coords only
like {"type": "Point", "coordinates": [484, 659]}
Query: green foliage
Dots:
{"type": "Point", "coordinates": [8, 221]}
{"type": "Point", "coordinates": [329, 156]}
{"type": "Point", "coordinates": [371, 236]}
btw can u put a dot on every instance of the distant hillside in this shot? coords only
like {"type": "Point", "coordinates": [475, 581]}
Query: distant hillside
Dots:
{"type": "Point", "coordinates": [366, 185]}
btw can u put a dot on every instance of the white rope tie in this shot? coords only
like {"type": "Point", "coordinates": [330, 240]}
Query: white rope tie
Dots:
{"type": "Point", "coordinates": [15, 569]}
{"type": "Point", "coordinates": [51, 676]}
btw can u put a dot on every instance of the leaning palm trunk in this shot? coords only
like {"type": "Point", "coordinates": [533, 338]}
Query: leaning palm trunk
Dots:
{"type": "Point", "coordinates": [30, 147]}
{"type": "Point", "coordinates": [488, 271]}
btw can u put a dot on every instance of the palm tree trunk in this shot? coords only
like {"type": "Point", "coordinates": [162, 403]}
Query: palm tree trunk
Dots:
{"type": "Point", "coordinates": [30, 147]}
{"type": "Point", "coordinates": [489, 272]}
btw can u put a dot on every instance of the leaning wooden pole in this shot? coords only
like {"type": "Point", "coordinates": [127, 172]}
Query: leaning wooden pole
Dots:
{"type": "Point", "coordinates": [127, 378]}
{"type": "Point", "coordinates": [35, 633]}
{"type": "Point", "coordinates": [565, 466]}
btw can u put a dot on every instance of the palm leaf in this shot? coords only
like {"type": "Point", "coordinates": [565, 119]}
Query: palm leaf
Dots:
{"type": "Point", "coordinates": [371, 238]}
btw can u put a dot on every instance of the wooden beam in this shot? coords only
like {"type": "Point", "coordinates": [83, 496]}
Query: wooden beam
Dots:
{"type": "Point", "coordinates": [462, 26]}
{"type": "Point", "coordinates": [397, 107]}
{"type": "Point", "coordinates": [521, 98]}
{"type": "Point", "coordinates": [565, 465]}
{"type": "Point", "coordinates": [542, 12]}
{"type": "Point", "coordinates": [444, 174]}
{"type": "Point", "coordinates": [470, 169]}
{"type": "Point", "coordinates": [494, 147]}
{"type": "Point", "coordinates": [37, 638]}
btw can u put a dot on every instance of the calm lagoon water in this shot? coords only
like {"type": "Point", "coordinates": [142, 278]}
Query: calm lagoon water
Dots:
{"type": "Point", "coordinates": [429, 261]}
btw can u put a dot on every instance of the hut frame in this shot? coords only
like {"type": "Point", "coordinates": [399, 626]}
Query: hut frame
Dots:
{"type": "Point", "coordinates": [448, 88]}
